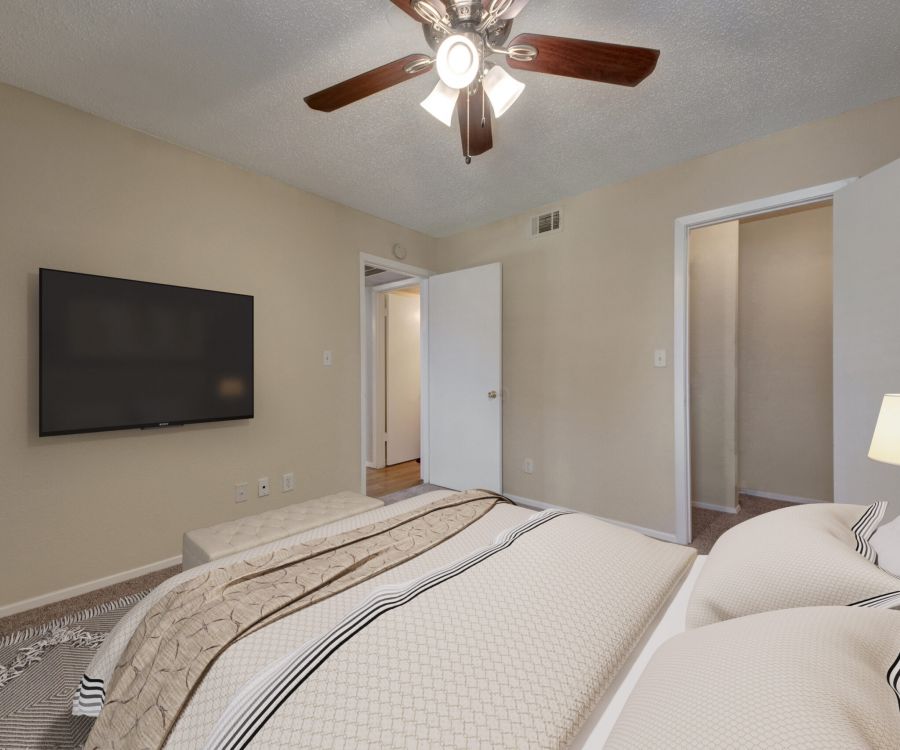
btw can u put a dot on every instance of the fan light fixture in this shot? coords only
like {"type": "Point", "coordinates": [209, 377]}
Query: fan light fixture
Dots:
{"type": "Point", "coordinates": [458, 61]}
{"type": "Point", "coordinates": [465, 38]}
{"type": "Point", "coordinates": [502, 89]}
{"type": "Point", "coordinates": [441, 102]}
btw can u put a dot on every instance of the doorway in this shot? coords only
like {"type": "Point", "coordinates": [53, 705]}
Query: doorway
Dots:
{"type": "Point", "coordinates": [761, 370]}
{"type": "Point", "coordinates": [393, 374]}
{"type": "Point", "coordinates": [718, 363]}
{"type": "Point", "coordinates": [460, 400]}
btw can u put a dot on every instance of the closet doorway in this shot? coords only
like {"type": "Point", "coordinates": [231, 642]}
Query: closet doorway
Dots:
{"type": "Point", "coordinates": [760, 365]}
{"type": "Point", "coordinates": [753, 358]}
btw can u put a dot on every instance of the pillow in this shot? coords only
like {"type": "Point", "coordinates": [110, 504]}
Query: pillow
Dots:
{"type": "Point", "coordinates": [815, 677]}
{"type": "Point", "coordinates": [805, 556]}
{"type": "Point", "coordinates": [886, 543]}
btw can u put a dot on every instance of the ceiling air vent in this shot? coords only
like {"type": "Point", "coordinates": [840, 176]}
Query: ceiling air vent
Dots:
{"type": "Point", "coordinates": [546, 223]}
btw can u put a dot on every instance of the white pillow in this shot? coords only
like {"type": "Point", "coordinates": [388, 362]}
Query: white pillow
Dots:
{"type": "Point", "coordinates": [803, 556]}
{"type": "Point", "coordinates": [815, 677]}
{"type": "Point", "coordinates": [886, 543]}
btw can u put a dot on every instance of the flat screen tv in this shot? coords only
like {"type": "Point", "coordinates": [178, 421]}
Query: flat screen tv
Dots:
{"type": "Point", "coordinates": [118, 354]}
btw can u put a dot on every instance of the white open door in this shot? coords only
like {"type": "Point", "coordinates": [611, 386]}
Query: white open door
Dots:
{"type": "Point", "coordinates": [866, 318]}
{"type": "Point", "coordinates": [402, 388]}
{"type": "Point", "coordinates": [464, 372]}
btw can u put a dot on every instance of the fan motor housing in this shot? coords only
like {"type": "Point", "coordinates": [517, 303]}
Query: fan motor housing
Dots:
{"type": "Point", "coordinates": [464, 11]}
{"type": "Point", "coordinates": [464, 16]}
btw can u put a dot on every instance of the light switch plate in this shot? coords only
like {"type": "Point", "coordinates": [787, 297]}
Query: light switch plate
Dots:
{"type": "Point", "coordinates": [240, 492]}
{"type": "Point", "coordinates": [327, 358]}
{"type": "Point", "coordinates": [287, 482]}
{"type": "Point", "coordinates": [660, 358]}
{"type": "Point", "coordinates": [264, 487]}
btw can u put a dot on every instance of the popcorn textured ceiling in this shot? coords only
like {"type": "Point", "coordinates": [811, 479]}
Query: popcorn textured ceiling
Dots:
{"type": "Point", "coordinates": [227, 78]}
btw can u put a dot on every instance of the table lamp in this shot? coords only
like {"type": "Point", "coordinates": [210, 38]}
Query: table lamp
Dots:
{"type": "Point", "coordinates": [886, 441]}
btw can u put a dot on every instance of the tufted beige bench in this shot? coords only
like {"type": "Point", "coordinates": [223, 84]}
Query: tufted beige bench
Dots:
{"type": "Point", "coordinates": [204, 545]}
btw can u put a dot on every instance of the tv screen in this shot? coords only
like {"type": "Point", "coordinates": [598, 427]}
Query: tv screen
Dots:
{"type": "Point", "coordinates": [118, 354]}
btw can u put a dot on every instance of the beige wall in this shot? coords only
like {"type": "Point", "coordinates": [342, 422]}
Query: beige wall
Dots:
{"type": "Point", "coordinates": [713, 363]}
{"type": "Point", "coordinates": [584, 309]}
{"type": "Point", "coordinates": [866, 333]}
{"type": "Point", "coordinates": [785, 355]}
{"type": "Point", "coordinates": [82, 194]}
{"type": "Point", "coordinates": [713, 260]}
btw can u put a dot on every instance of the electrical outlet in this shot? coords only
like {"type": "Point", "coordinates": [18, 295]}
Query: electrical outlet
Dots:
{"type": "Point", "coordinates": [240, 492]}
{"type": "Point", "coordinates": [528, 466]}
{"type": "Point", "coordinates": [264, 487]}
{"type": "Point", "coordinates": [287, 482]}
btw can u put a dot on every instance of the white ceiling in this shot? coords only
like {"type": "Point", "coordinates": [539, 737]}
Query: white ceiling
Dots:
{"type": "Point", "coordinates": [228, 77]}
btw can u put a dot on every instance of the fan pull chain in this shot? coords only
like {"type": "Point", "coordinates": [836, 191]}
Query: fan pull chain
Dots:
{"type": "Point", "coordinates": [481, 78]}
{"type": "Point", "coordinates": [468, 127]}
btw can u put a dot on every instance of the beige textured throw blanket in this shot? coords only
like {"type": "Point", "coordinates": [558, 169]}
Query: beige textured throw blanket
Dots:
{"type": "Point", "coordinates": [186, 631]}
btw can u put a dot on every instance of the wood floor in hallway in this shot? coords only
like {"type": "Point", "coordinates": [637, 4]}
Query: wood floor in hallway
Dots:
{"type": "Point", "coordinates": [381, 482]}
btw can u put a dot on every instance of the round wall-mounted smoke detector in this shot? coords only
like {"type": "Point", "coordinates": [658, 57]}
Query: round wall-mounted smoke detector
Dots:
{"type": "Point", "coordinates": [399, 252]}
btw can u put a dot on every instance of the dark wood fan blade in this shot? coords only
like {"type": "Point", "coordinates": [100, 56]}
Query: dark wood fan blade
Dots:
{"type": "Point", "coordinates": [366, 84]}
{"type": "Point", "coordinates": [407, 7]}
{"type": "Point", "coordinates": [591, 61]}
{"type": "Point", "coordinates": [476, 138]}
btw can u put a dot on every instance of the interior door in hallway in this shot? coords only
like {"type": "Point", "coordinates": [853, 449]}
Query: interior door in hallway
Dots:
{"type": "Point", "coordinates": [402, 383]}
{"type": "Point", "coordinates": [464, 371]}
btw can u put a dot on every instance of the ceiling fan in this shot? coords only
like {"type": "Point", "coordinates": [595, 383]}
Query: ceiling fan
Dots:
{"type": "Point", "coordinates": [464, 35]}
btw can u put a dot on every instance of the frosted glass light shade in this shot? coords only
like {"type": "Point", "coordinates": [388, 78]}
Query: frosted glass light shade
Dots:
{"type": "Point", "coordinates": [458, 61]}
{"type": "Point", "coordinates": [502, 89]}
{"type": "Point", "coordinates": [441, 102]}
{"type": "Point", "coordinates": [886, 441]}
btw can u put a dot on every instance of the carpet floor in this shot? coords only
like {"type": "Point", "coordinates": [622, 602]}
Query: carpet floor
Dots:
{"type": "Point", "coordinates": [709, 525]}
{"type": "Point", "coordinates": [44, 652]}
{"type": "Point", "coordinates": [419, 489]}
{"type": "Point", "coordinates": [68, 607]}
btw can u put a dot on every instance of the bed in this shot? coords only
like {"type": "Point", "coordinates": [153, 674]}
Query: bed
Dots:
{"type": "Point", "coordinates": [470, 650]}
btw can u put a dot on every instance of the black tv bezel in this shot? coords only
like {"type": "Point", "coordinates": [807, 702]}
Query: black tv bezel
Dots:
{"type": "Point", "coordinates": [147, 425]}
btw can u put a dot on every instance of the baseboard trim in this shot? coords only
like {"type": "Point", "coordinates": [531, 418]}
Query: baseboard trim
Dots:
{"type": "Point", "coordinates": [782, 498]}
{"type": "Point", "coordinates": [718, 508]}
{"type": "Point", "coordinates": [539, 505]}
{"type": "Point", "coordinates": [83, 588]}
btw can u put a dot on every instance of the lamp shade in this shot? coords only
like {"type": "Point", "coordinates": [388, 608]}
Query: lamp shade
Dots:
{"type": "Point", "coordinates": [502, 89]}
{"type": "Point", "coordinates": [441, 103]}
{"type": "Point", "coordinates": [458, 61]}
{"type": "Point", "coordinates": [886, 441]}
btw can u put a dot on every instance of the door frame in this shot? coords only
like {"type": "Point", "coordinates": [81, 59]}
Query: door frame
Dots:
{"type": "Point", "coordinates": [420, 277]}
{"type": "Point", "coordinates": [681, 358]}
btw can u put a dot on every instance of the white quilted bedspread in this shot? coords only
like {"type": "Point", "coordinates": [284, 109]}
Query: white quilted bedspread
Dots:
{"type": "Point", "coordinates": [512, 653]}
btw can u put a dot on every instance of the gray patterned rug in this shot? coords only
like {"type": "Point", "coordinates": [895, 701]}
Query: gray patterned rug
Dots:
{"type": "Point", "coordinates": [39, 672]}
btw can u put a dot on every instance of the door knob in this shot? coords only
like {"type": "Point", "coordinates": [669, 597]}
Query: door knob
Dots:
{"type": "Point", "coordinates": [492, 394]}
